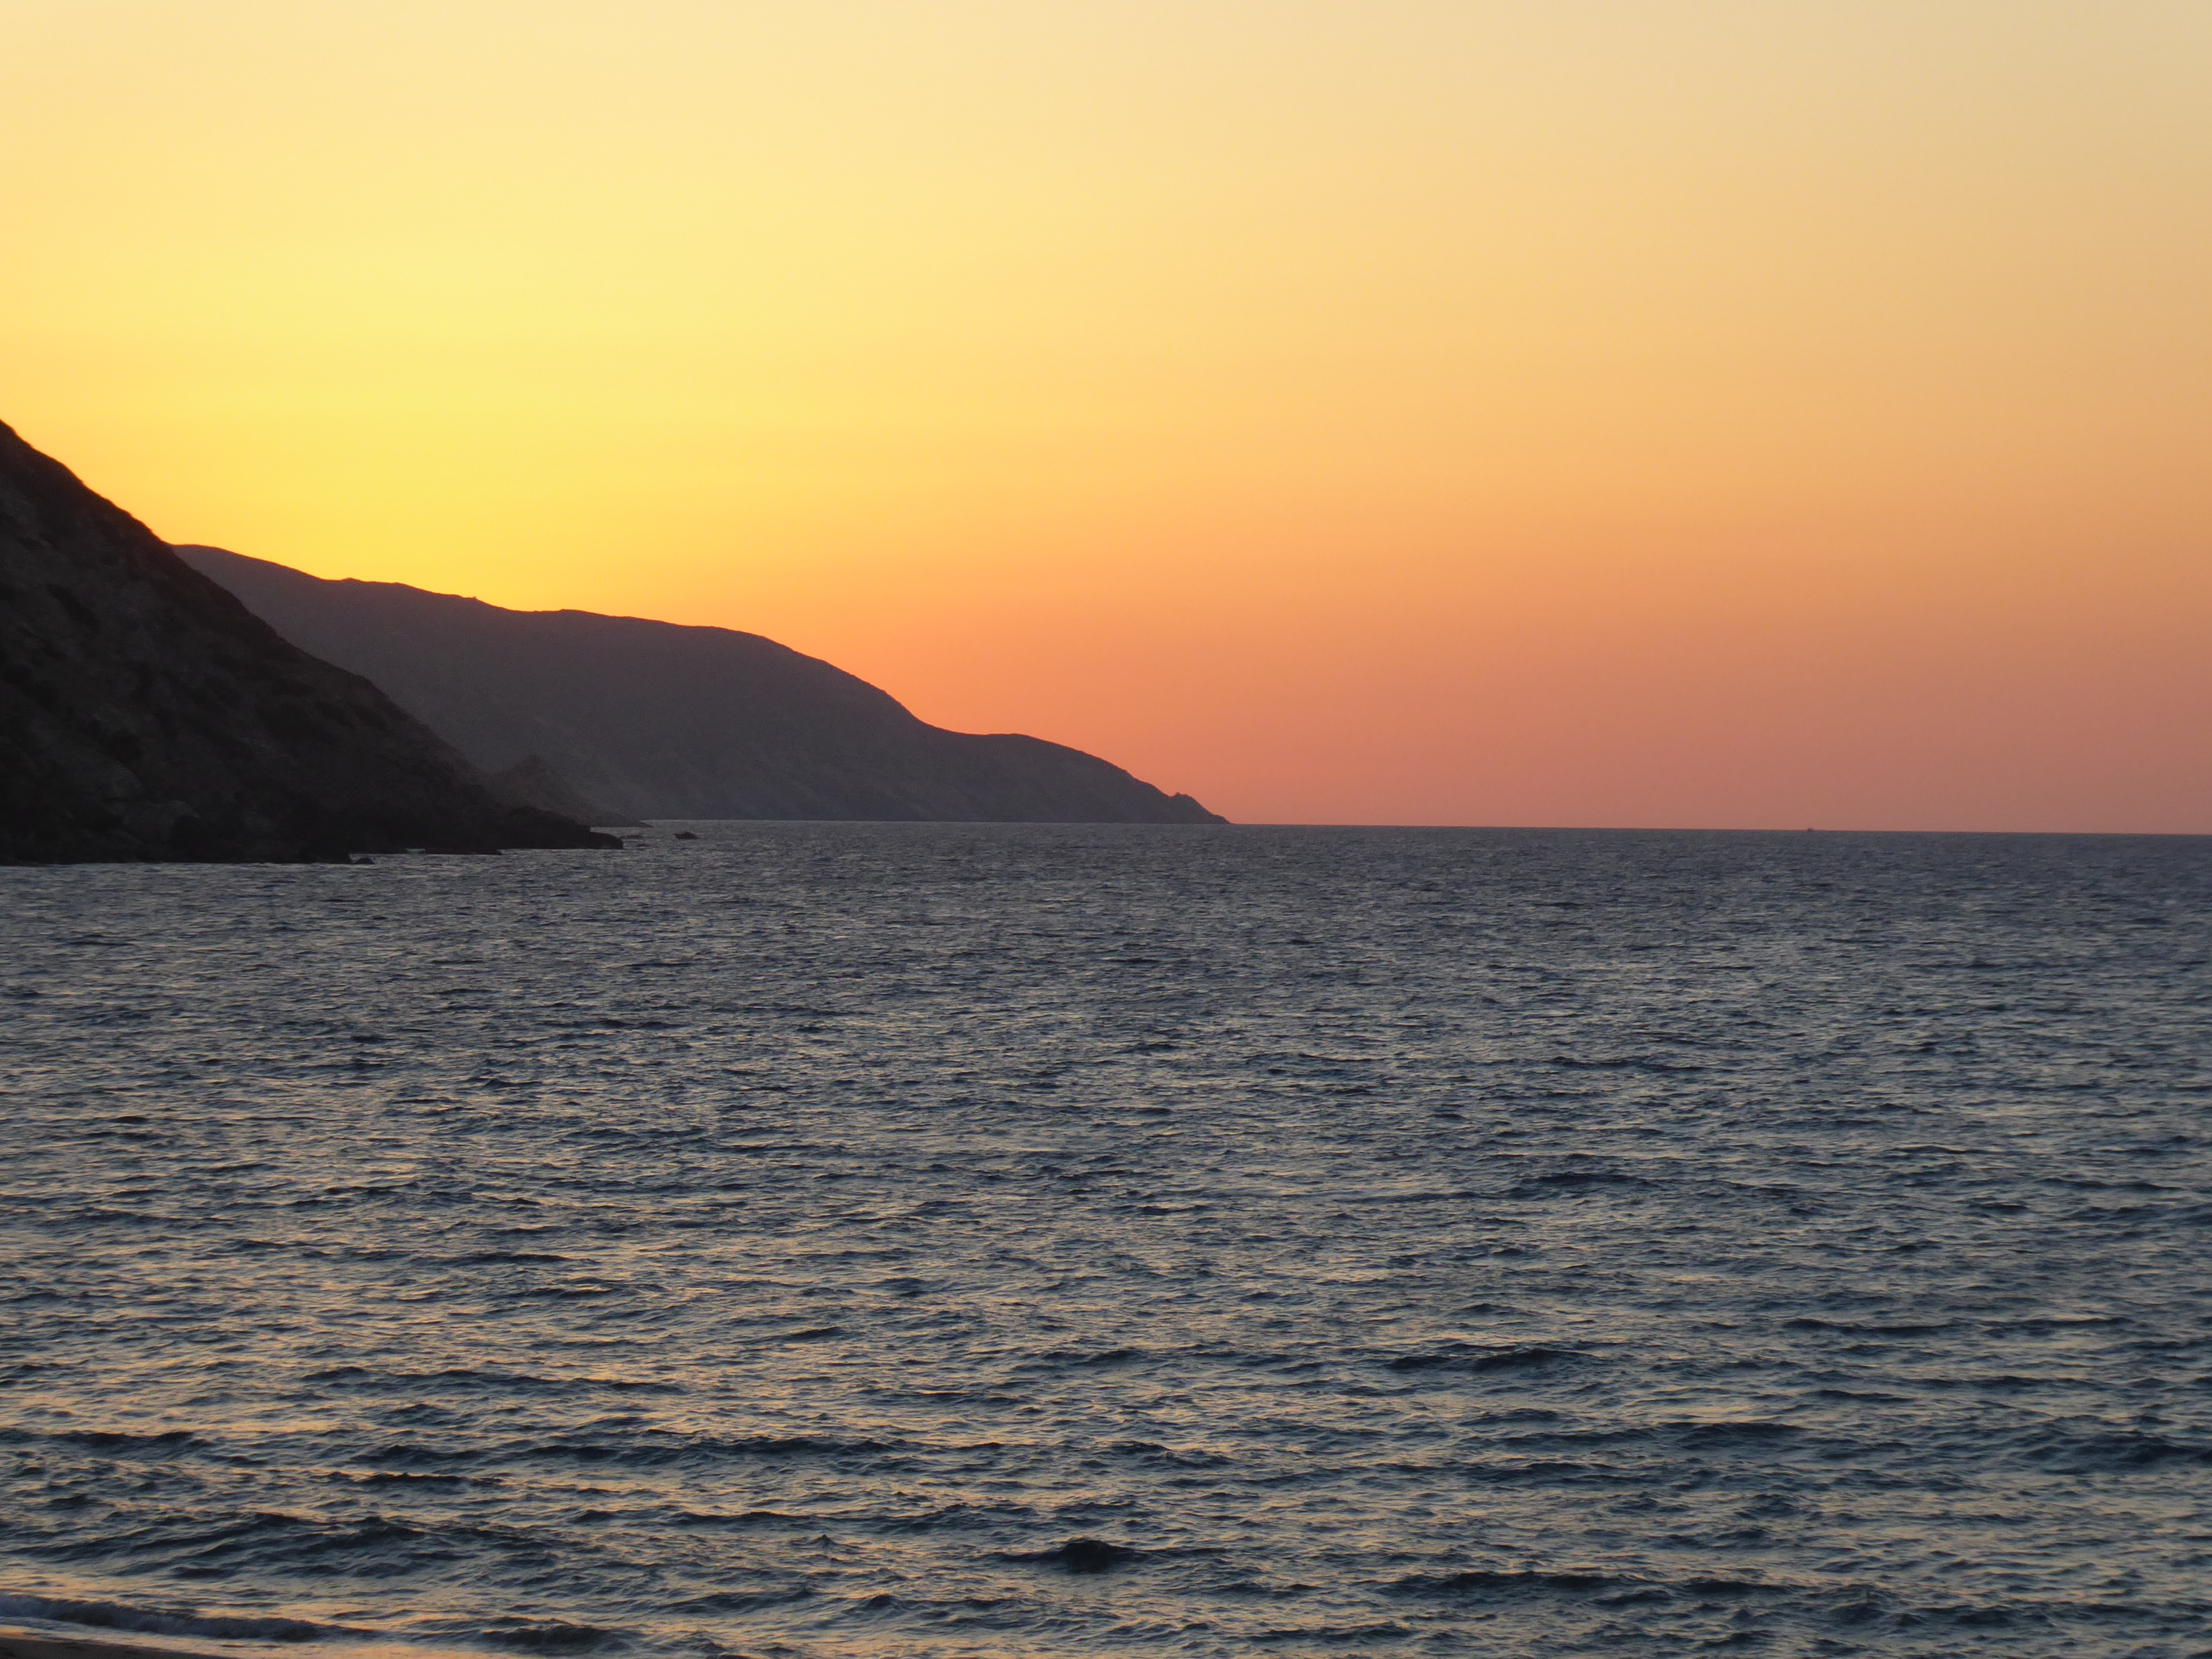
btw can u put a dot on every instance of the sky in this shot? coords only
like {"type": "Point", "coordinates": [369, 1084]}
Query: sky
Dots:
{"type": "Point", "coordinates": [1686, 413]}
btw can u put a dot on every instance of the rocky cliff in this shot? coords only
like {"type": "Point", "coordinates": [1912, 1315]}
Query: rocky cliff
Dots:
{"type": "Point", "coordinates": [146, 714]}
{"type": "Point", "coordinates": [654, 721]}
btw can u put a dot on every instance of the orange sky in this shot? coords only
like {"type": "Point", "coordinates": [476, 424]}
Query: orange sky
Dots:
{"type": "Point", "coordinates": [1684, 412]}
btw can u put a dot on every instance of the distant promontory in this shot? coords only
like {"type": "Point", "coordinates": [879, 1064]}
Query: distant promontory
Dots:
{"type": "Point", "coordinates": [623, 719]}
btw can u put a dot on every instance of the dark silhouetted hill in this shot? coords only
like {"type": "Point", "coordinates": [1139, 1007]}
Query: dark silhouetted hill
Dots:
{"type": "Point", "coordinates": [146, 714]}
{"type": "Point", "coordinates": [653, 720]}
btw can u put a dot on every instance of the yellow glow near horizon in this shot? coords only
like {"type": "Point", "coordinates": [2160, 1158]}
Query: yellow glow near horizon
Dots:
{"type": "Point", "coordinates": [1592, 411]}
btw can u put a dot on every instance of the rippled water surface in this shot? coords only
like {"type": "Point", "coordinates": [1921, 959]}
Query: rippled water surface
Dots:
{"type": "Point", "coordinates": [955, 1240]}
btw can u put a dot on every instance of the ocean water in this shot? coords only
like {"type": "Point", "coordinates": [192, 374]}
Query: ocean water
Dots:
{"type": "Point", "coordinates": [844, 1240]}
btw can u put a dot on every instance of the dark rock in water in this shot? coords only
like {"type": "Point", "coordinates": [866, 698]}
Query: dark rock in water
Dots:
{"type": "Point", "coordinates": [531, 782]}
{"type": "Point", "coordinates": [146, 714]}
{"type": "Point", "coordinates": [686, 834]}
{"type": "Point", "coordinates": [662, 721]}
{"type": "Point", "coordinates": [1081, 1555]}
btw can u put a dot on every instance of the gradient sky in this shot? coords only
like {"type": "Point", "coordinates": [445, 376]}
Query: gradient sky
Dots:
{"type": "Point", "coordinates": [1638, 412]}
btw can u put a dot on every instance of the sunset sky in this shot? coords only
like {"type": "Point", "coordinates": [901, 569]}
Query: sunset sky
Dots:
{"type": "Point", "coordinates": [1768, 413]}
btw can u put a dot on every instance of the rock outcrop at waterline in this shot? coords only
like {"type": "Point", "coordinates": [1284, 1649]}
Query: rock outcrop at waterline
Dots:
{"type": "Point", "coordinates": [652, 720]}
{"type": "Point", "coordinates": [146, 714]}
{"type": "Point", "coordinates": [531, 782]}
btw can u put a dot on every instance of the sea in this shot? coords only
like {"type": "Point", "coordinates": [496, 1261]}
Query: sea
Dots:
{"type": "Point", "coordinates": [842, 1240]}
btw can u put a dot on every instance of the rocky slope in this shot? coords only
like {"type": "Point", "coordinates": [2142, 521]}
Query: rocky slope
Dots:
{"type": "Point", "coordinates": [146, 714]}
{"type": "Point", "coordinates": [654, 721]}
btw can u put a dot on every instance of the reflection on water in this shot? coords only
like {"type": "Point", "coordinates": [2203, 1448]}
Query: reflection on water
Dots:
{"type": "Point", "coordinates": [967, 1240]}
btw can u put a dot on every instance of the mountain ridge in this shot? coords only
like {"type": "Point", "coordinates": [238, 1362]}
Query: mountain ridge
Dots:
{"type": "Point", "coordinates": [147, 714]}
{"type": "Point", "coordinates": [655, 719]}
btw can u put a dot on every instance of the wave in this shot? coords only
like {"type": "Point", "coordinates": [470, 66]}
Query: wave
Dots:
{"type": "Point", "coordinates": [469, 1377]}
{"type": "Point", "coordinates": [1079, 1555]}
{"type": "Point", "coordinates": [555, 1636]}
{"type": "Point", "coordinates": [2113, 1451]}
{"type": "Point", "coordinates": [551, 1636]}
{"type": "Point", "coordinates": [111, 1440]}
{"type": "Point", "coordinates": [153, 1621]}
{"type": "Point", "coordinates": [1470, 1358]}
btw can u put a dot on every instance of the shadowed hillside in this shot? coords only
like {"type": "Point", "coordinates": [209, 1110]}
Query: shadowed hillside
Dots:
{"type": "Point", "coordinates": [146, 714]}
{"type": "Point", "coordinates": [660, 721]}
